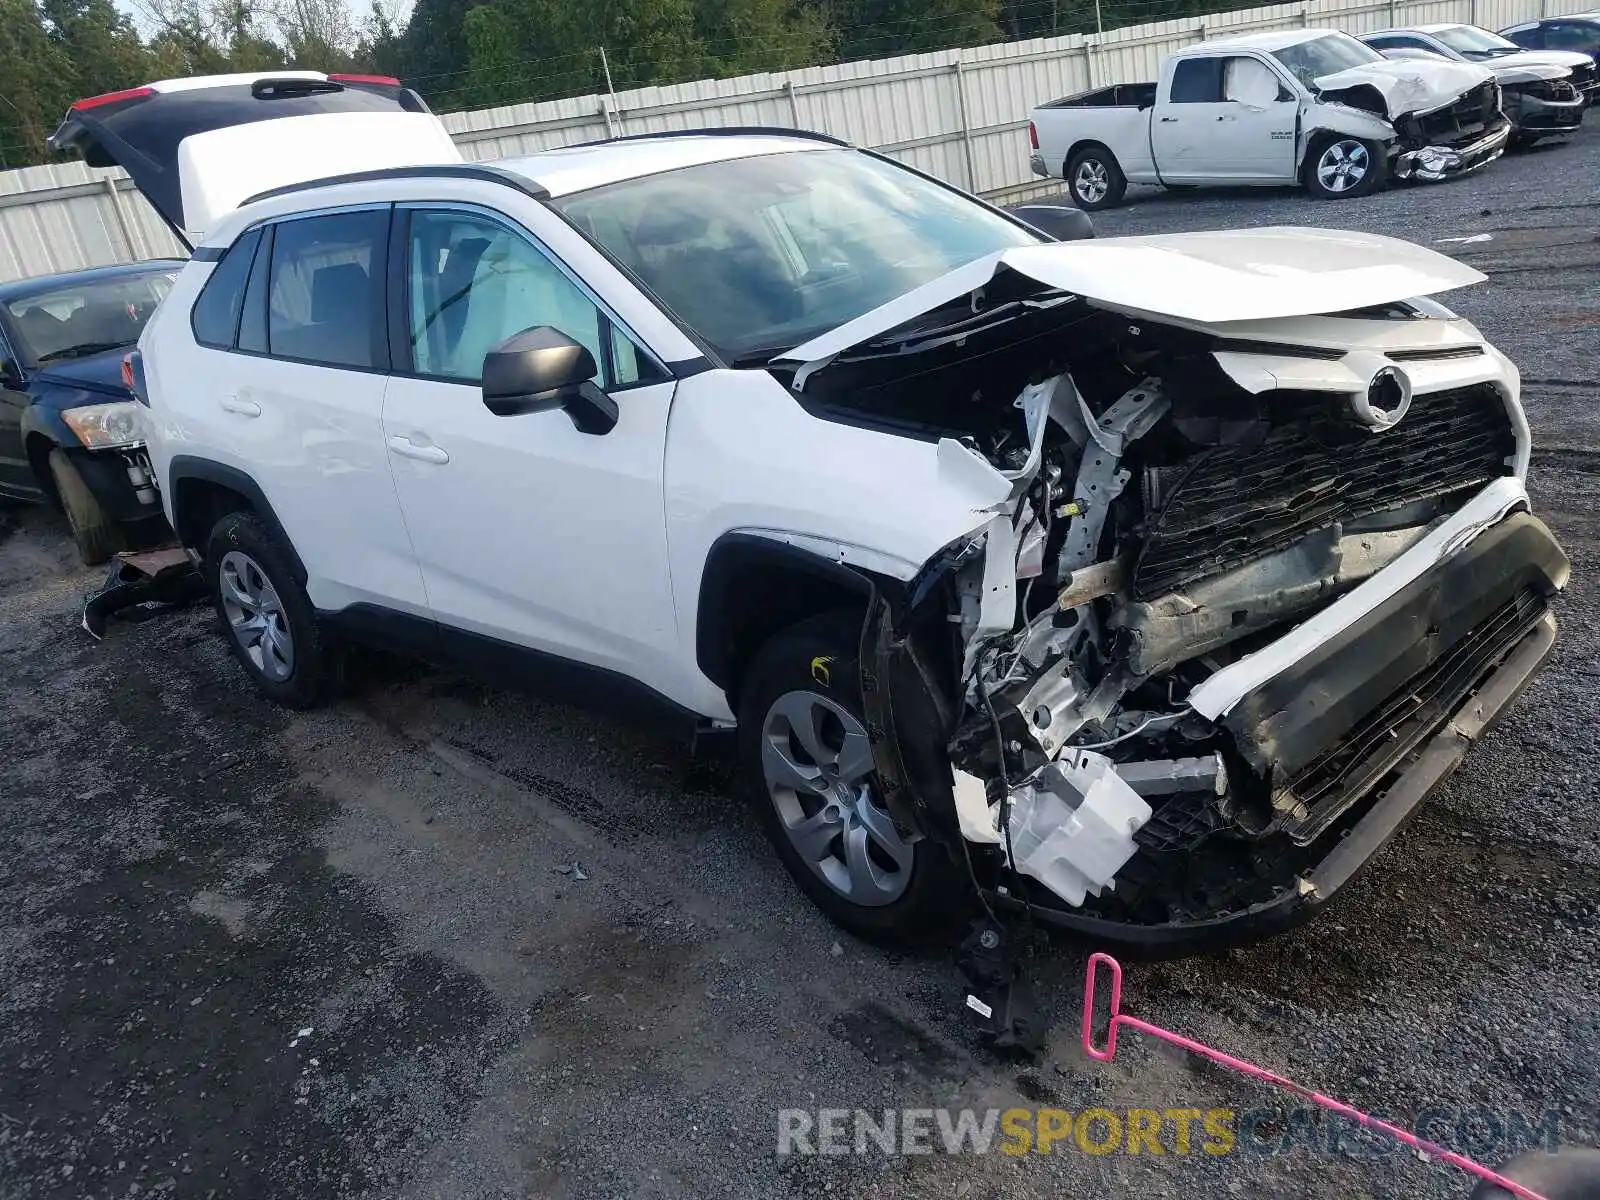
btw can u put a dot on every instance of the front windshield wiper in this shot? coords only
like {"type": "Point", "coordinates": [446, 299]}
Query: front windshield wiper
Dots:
{"type": "Point", "coordinates": [761, 355]}
{"type": "Point", "coordinates": [81, 350]}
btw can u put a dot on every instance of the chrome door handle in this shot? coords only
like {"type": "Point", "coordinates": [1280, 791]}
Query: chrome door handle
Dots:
{"type": "Point", "coordinates": [1169, 120]}
{"type": "Point", "coordinates": [245, 408]}
{"type": "Point", "coordinates": [405, 446]}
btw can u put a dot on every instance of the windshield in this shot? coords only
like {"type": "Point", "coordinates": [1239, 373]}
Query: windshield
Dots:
{"type": "Point", "coordinates": [85, 318]}
{"type": "Point", "coordinates": [1328, 55]}
{"type": "Point", "coordinates": [757, 255]}
{"type": "Point", "coordinates": [1472, 42]}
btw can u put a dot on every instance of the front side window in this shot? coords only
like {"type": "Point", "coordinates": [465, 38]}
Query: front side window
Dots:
{"type": "Point", "coordinates": [86, 318]}
{"type": "Point", "coordinates": [324, 295]}
{"type": "Point", "coordinates": [1326, 55]}
{"type": "Point", "coordinates": [472, 282]}
{"type": "Point", "coordinates": [756, 255]}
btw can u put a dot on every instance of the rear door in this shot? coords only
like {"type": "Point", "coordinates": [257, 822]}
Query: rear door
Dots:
{"type": "Point", "coordinates": [198, 148]}
{"type": "Point", "coordinates": [288, 372]}
{"type": "Point", "coordinates": [16, 479]}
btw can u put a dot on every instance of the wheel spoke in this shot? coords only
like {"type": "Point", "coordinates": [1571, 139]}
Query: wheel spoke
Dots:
{"type": "Point", "coordinates": [866, 879]}
{"type": "Point", "coordinates": [233, 590]}
{"type": "Point", "coordinates": [880, 826]}
{"type": "Point", "coordinates": [783, 770]}
{"type": "Point", "coordinates": [813, 836]}
{"type": "Point", "coordinates": [854, 757]}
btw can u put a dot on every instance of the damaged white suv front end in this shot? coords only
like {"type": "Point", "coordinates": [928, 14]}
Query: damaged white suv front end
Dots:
{"type": "Point", "coordinates": [1250, 568]}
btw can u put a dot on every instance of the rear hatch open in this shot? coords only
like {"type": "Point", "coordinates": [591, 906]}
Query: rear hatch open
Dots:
{"type": "Point", "coordinates": [199, 147]}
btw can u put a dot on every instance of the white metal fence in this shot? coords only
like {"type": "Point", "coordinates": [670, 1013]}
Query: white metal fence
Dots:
{"type": "Point", "coordinates": [958, 114]}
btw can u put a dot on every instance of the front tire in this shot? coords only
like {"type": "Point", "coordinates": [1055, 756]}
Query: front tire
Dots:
{"type": "Point", "coordinates": [1094, 179]}
{"type": "Point", "coordinates": [96, 537]}
{"type": "Point", "coordinates": [269, 619]}
{"type": "Point", "coordinates": [1341, 168]}
{"type": "Point", "coordinates": [807, 764]}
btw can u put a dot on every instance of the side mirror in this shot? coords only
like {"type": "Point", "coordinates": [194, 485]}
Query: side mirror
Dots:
{"type": "Point", "coordinates": [541, 369]}
{"type": "Point", "coordinates": [11, 374]}
{"type": "Point", "coordinates": [1058, 222]}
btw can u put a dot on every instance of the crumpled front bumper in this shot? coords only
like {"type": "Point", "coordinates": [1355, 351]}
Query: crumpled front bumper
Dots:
{"type": "Point", "coordinates": [1379, 663]}
{"type": "Point", "coordinates": [1433, 163]}
{"type": "Point", "coordinates": [1532, 114]}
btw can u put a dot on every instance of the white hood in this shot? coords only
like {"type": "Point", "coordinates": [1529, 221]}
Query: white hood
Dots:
{"type": "Point", "coordinates": [1412, 85]}
{"type": "Point", "coordinates": [1231, 275]}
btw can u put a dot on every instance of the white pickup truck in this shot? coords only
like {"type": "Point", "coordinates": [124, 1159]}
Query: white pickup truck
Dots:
{"type": "Point", "coordinates": [1313, 105]}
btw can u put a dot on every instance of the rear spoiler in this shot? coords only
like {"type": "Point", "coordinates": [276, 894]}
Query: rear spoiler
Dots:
{"type": "Point", "coordinates": [140, 129]}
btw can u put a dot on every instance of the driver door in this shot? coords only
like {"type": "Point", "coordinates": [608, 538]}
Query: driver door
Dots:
{"type": "Point", "coordinates": [16, 477]}
{"type": "Point", "coordinates": [527, 530]}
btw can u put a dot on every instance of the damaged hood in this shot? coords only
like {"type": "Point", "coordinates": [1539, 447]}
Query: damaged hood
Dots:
{"type": "Point", "coordinates": [1411, 85]}
{"type": "Point", "coordinates": [1231, 275]}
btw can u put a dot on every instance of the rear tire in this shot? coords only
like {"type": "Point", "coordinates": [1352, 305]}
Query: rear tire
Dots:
{"type": "Point", "coordinates": [96, 537]}
{"type": "Point", "coordinates": [820, 806]}
{"type": "Point", "coordinates": [269, 619]}
{"type": "Point", "coordinates": [1094, 179]}
{"type": "Point", "coordinates": [1337, 167]}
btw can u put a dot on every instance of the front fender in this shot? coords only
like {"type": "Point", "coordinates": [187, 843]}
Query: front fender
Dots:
{"type": "Point", "coordinates": [1328, 116]}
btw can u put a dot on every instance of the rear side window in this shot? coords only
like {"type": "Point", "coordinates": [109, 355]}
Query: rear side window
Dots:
{"type": "Point", "coordinates": [325, 295]}
{"type": "Point", "coordinates": [1197, 81]}
{"type": "Point", "coordinates": [215, 318]}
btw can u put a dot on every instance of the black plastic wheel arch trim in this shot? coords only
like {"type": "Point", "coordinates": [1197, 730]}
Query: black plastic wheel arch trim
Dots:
{"type": "Point", "coordinates": [187, 466]}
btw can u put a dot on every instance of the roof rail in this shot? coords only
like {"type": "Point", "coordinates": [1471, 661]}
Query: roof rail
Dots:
{"type": "Point", "coordinates": [724, 131]}
{"type": "Point", "coordinates": [480, 171]}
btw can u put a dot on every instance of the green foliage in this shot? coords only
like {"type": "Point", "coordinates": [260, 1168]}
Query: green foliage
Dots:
{"type": "Point", "coordinates": [481, 53]}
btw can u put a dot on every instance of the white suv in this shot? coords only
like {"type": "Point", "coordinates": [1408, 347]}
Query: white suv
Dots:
{"type": "Point", "coordinates": [1147, 582]}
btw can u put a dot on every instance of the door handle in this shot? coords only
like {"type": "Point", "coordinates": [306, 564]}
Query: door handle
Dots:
{"type": "Point", "coordinates": [237, 404]}
{"type": "Point", "coordinates": [1169, 120]}
{"type": "Point", "coordinates": [1224, 118]}
{"type": "Point", "coordinates": [405, 446]}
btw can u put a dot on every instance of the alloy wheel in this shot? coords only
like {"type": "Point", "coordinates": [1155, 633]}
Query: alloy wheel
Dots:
{"type": "Point", "coordinates": [255, 615]}
{"type": "Point", "coordinates": [817, 762]}
{"type": "Point", "coordinates": [1091, 181]}
{"type": "Point", "coordinates": [1343, 166]}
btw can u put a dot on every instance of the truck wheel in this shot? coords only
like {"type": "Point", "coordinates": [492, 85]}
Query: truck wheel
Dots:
{"type": "Point", "coordinates": [1094, 180]}
{"type": "Point", "coordinates": [269, 618]}
{"type": "Point", "coordinates": [807, 763]}
{"type": "Point", "coordinates": [1340, 168]}
{"type": "Point", "coordinates": [96, 537]}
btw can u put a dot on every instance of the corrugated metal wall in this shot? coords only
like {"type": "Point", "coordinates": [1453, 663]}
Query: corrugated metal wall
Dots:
{"type": "Point", "coordinates": [959, 114]}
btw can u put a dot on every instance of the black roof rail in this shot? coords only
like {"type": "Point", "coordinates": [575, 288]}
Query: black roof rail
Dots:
{"type": "Point", "coordinates": [810, 135]}
{"type": "Point", "coordinates": [480, 171]}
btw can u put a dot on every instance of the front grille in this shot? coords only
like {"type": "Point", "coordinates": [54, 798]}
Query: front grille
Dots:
{"type": "Point", "coordinates": [1464, 121]}
{"type": "Point", "coordinates": [1345, 772]}
{"type": "Point", "coordinates": [1434, 353]}
{"type": "Point", "coordinates": [1583, 78]}
{"type": "Point", "coordinates": [1235, 504]}
{"type": "Point", "coordinates": [1559, 90]}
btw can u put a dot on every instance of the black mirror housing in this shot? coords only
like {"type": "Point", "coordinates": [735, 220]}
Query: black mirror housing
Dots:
{"type": "Point", "coordinates": [1058, 222]}
{"type": "Point", "coordinates": [541, 369]}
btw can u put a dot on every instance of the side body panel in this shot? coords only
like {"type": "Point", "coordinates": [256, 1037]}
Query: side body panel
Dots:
{"type": "Point", "coordinates": [1125, 131]}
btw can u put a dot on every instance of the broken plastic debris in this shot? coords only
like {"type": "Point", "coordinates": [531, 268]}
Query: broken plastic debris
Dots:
{"type": "Point", "coordinates": [979, 1007]}
{"type": "Point", "coordinates": [297, 1038]}
{"type": "Point", "coordinates": [573, 869]}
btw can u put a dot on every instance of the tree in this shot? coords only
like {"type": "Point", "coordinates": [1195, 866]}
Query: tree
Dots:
{"type": "Point", "coordinates": [881, 28]}
{"type": "Point", "coordinates": [34, 83]}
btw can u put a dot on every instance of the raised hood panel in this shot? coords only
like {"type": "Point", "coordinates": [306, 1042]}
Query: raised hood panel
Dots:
{"type": "Point", "coordinates": [197, 148]}
{"type": "Point", "coordinates": [1411, 85]}
{"type": "Point", "coordinates": [1232, 275]}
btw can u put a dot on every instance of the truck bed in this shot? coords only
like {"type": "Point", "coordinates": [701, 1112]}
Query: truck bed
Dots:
{"type": "Point", "coordinates": [1118, 95]}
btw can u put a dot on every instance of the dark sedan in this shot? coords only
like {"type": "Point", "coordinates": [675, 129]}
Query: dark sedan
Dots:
{"type": "Point", "coordinates": [69, 429]}
{"type": "Point", "coordinates": [1580, 32]}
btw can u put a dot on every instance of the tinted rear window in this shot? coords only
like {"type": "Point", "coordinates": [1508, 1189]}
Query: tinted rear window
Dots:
{"type": "Point", "coordinates": [215, 318]}
{"type": "Point", "coordinates": [325, 297]}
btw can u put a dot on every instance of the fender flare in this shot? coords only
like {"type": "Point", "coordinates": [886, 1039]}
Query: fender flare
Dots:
{"type": "Point", "coordinates": [739, 550]}
{"type": "Point", "coordinates": [186, 467]}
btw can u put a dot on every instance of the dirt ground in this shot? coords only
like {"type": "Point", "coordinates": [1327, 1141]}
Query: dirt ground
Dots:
{"type": "Point", "coordinates": [245, 952]}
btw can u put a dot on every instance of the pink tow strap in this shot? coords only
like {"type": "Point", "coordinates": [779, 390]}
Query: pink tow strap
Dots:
{"type": "Point", "coordinates": [1118, 1017]}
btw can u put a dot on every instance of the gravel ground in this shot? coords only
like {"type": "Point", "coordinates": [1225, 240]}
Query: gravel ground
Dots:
{"type": "Point", "coordinates": [249, 953]}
